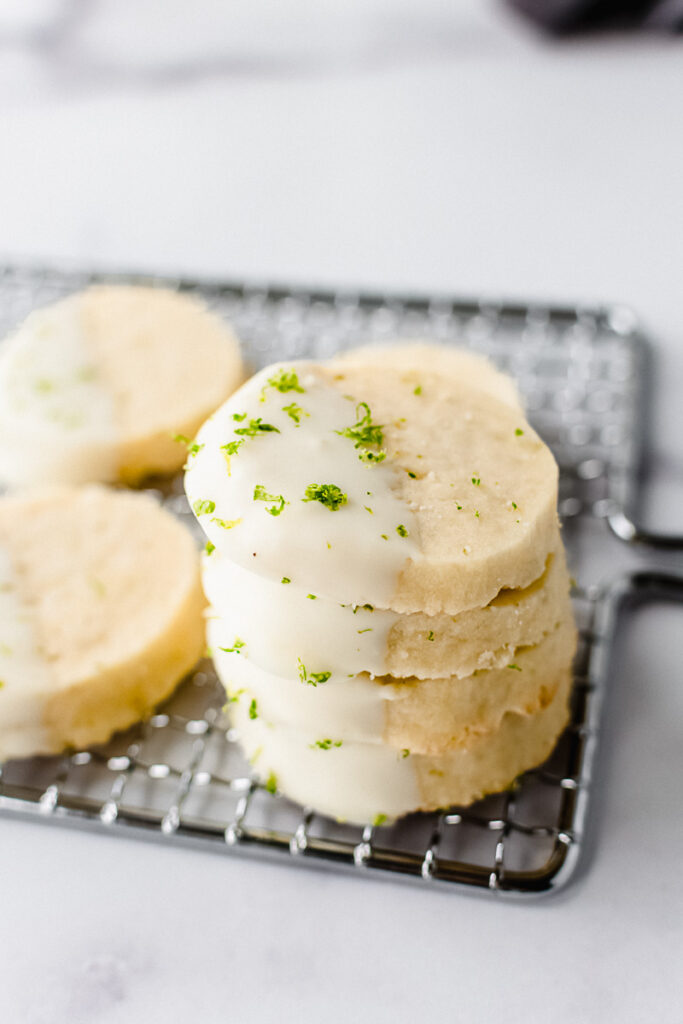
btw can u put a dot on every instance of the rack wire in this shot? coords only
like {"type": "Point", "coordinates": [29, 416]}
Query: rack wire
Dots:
{"type": "Point", "coordinates": [180, 777]}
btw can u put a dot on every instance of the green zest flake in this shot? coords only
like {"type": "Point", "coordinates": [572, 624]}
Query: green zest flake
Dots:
{"type": "Point", "coordinates": [271, 783]}
{"type": "Point", "coordinates": [405, 752]}
{"type": "Point", "coordinates": [368, 509]}
{"type": "Point", "coordinates": [418, 390]}
{"type": "Point", "coordinates": [285, 579]}
{"type": "Point", "coordinates": [311, 678]}
{"type": "Point", "coordinates": [476, 480]}
{"type": "Point", "coordinates": [210, 547]}
{"type": "Point", "coordinates": [378, 820]}
{"type": "Point", "coordinates": [253, 709]}
{"type": "Point", "coordinates": [192, 447]}
{"type": "Point", "coordinates": [401, 530]}
{"type": "Point", "coordinates": [256, 427]}
{"type": "Point", "coordinates": [365, 434]}
{"type": "Point", "coordinates": [232, 447]}
{"type": "Point", "coordinates": [476, 512]}
{"type": "Point", "coordinates": [384, 536]}
{"type": "Point", "coordinates": [329, 495]}
{"type": "Point", "coordinates": [233, 698]}
{"type": "Point", "coordinates": [368, 456]}
{"type": "Point", "coordinates": [203, 507]}
{"type": "Point", "coordinates": [325, 744]}
{"type": "Point", "coordinates": [368, 629]}
{"type": "Point", "coordinates": [311, 597]}
{"type": "Point", "coordinates": [413, 476]}
{"type": "Point", "coordinates": [261, 494]}
{"type": "Point", "coordinates": [514, 505]}
{"type": "Point", "coordinates": [430, 635]}
{"type": "Point", "coordinates": [459, 507]}
{"type": "Point", "coordinates": [226, 524]}
{"type": "Point", "coordinates": [363, 607]}
{"type": "Point", "coordinates": [518, 432]}
{"type": "Point", "coordinates": [515, 667]}
{"type": "Point", "coordinates": [295, 412]}
{"type": "Point", "coordinates": [237, 647]}
{"type": "Point", "coordinates": [239, 416]}
{"type": "Point", "coordinates": [283, 381]}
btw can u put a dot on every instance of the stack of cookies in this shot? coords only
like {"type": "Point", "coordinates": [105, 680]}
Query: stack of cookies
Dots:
{"type": "Point", "coordinates": [389, 597]}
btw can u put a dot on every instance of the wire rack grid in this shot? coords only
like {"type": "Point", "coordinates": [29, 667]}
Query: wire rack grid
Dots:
{"type": "Point", "coordinates": [181, 777]}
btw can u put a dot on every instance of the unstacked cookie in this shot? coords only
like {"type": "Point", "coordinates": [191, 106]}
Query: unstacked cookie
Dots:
{"type": "Point", "coordinates": [100, 615]}
{"type": "Point", "coordinates": [389, 596]}
{"type": "Point", "coordinates": [97, 386]}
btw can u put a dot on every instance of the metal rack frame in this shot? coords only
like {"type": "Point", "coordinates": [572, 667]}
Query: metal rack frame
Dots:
{"type": "Point", "coordinates": [180, 777]}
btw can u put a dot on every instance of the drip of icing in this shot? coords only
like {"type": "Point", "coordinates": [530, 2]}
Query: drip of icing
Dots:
{"type": "Point", "coordinates": [24, 672]}
{"type": "Point", "coordinates": [56, 418]}
{"type": "Point", "coordinates": [281, 625]}
{"type": "Point", "coordinates": [357, 782]}
{"type": "Point", "coordinates": [354, 553]}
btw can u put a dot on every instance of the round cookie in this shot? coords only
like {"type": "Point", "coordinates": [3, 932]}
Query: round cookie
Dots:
{"type": "Point", "coordinates": [429, 716]}
{"type": "Point", "coordinates": [102, 615]}
{"type": "Point", "coordinates": [361, 487]}
{"type": "Point", "coordinates": [97, 386]}
{"type": "Point", "coordinates": [412, 357]}
{"type": "Point", "coordinates": [483, 487]}
{"type": "Point", "coordinates": [368, 783]}
{"type": "Point", "coordinates": [281, 625]}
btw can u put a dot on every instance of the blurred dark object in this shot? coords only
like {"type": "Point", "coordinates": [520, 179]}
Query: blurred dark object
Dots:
{"type": "Point", "coordinates": [564, 17]}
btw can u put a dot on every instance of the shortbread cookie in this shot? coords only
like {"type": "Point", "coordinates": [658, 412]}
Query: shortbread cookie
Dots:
{"type": "Point", "coordinates": [281, 625]}
{"type": "Point", "coordinates": [414, 357]}
{"type": "Point", "coordinates": [102, 615]}
{"type": "Point", "coordinates": [367, 489]}
{"type": "Point", "coordinates": [371, 783]}
{"type": "Point", "coordinates": [428, 716]}
{"type": "Point", "coordinates": [99, 385]}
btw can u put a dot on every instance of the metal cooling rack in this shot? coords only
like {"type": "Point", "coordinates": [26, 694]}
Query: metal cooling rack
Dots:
{"type": "Point", "coordinates": [181, 777]}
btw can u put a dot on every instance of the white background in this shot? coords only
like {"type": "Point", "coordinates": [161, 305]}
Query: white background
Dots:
{"type": "Point", "coordinates": [403, 144]}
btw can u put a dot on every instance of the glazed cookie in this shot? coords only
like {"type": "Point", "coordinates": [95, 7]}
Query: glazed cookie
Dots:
{"type": "Point", "coordinates": [280, 625]}
{"type": "Point", "coordinates": [368, 489]}
{"type": "Point", "coordinates": [371, 783]}
{"type": "Point", "coordinates": [428, 716]}
{"type": "Point", "coordinates": [102, 615]}
{"type": "Point", "coordinates": [97, 386]}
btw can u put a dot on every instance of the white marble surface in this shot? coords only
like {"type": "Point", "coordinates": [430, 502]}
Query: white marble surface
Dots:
{"type": "Point", "coordinates": [428, 145]}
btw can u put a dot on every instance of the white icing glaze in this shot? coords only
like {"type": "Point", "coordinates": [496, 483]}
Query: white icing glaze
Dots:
{"type": "Point", "coordinates": [281, 625]}
{"type": "Point", "coordinates": [355, 782]}
{"type": "Point", "coordinates": [350, 554]}
{"type": "Point", "coordinates": [352, 707]}
{"type": "Point", "coordinates": [56, 419]}
{"type": "Point", "coordinates": [24, 672]}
